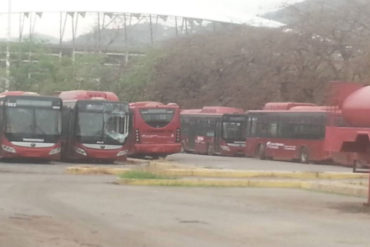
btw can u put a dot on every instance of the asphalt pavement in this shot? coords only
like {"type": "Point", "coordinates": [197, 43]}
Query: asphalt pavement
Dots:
{"type": "Point", "coordinates": [40, 206]}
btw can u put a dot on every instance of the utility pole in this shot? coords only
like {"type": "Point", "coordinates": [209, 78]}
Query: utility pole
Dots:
{"type": "Point", "coordinates": [7, 60]}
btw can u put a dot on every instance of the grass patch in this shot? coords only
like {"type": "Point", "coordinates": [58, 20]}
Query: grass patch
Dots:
{"type": "Point", "coordinates": [143, 175]}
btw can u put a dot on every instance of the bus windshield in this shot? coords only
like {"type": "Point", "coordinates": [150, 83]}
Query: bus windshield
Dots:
{"type": "Point", "coordinates": [157, 117]}
{"type": "Point", "coordinates": [233, 131]}
{"type": "Point", "coordinates": [33, 122]}
{"type": "Point", "coordinates": [102, 127]}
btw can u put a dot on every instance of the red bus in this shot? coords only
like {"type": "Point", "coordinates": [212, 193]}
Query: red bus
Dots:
{"type": "Point", "coordinates": [95, 126]}
{"type": "Point", "coordinates": [155, 129]}
{"type": "Point", "coordinates": [213, 130]}
{"type": "Point", "coordinates": [30, 126]}
{"type": "Point", "coordinates": [307, 133]}
{"type": "Point", "coordinates": [285, 131]}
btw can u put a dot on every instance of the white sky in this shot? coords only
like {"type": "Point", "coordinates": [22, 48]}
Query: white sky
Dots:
{"type": "Point", "coordinates": [222, 10]}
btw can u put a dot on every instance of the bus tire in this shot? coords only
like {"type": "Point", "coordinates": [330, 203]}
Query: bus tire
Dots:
{"type": "Point", "coordinates": [210, 150]}
{"type": "Point", "coordinates": [304, 155]}
{"type": "Point", "coordinates": [261, 152]}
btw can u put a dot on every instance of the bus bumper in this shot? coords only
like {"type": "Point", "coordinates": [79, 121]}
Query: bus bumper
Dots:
{"type": "Point", "coordinates": [157, 149]}
{"type": "Point", "coordinates": [9, 150]}
{"type": "Point", "coordinates": [85, 153]}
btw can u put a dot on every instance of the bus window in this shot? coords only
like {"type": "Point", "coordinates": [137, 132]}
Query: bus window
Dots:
{"type": "Point", "coordinates": [251, 126]}
{"type": "Point", "coordinates": [206, 127]}
{"type": "Point", "coordinates": [273, 130]}
{"type": "Point", "coordinates": [157, 117]}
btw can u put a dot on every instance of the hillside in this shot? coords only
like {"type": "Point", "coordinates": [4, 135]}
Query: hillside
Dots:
{"type": "Point", "coordinates": [137, 36]}
{"type": "Point", "coordinates": [290, 15]}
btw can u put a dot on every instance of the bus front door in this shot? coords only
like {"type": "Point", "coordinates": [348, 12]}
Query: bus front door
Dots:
{"type": "Point", "coordinates": [217, 137]}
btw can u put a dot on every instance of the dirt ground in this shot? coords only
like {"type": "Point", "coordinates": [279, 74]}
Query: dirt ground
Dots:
{"type": "Point", "coordinates": [41, 206]}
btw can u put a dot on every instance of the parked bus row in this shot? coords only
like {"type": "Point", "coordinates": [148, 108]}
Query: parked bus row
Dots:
{"type": "Point", "coordinates": [85, 125]}
{"type": "Point", "coordinates": [286, 130]}
{"type": "Point", "coordinates": [93, 125]}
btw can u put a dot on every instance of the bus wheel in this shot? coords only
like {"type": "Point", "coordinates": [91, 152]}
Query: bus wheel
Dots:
{"type": "Point", "coordinates": [304, 155]}
{"type": "Point", "coordinates": [261, 152]}
{"type": "Point", "coordinates": [210, 150]}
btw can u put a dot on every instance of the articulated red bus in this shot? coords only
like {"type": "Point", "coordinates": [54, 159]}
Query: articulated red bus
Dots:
{"type": "Point", "coordinates": [213, 130]}
{"type": "Point", "coordinates": [155, 129]}
{"type": "Point", "coordinates": [30, 126]}
{"type": "Point", "coordinates": [95, 126]}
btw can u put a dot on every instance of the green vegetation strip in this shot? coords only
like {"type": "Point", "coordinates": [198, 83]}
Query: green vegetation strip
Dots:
{"type": "Point", "coordinates": [141, 174]}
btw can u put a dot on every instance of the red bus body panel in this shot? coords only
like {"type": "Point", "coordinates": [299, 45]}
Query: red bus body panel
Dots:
{"type": "Point", "coordinates": [348, 144]}
{"type": "Point", "coordinates": [99, 154]}
{"type": "Point", "coordinates": [287, 149]}
{"type": "Point", "coordinates": [42, 153]}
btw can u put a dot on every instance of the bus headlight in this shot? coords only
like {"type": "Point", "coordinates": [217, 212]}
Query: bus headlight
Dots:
{"type": "Point", "coordinates": [54, 151]}
{"type": "Point", "coordinates": [8, 149]}
{"type": "Point", "coordinates": [80, 151]}
{"type": "Point", "coordinates": [122, 153]}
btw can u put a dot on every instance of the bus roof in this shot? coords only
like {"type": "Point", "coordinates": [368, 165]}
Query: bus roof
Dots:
{"type": "Point", "coordinates": [299, 110]}
{"type": "Point", "coordinates": [213, 110]}
{"type": "Point", "coordinates": [284, 105]}
{"type": "Point", "coordinates": [296, 107]}
{"type": "Point", "coordinates": [316, 108]}
{"type": "Point", "coordinates": [18, 93]}
{"type": "Point", "coordinates": [88, 95]}
{"type": "Point", "coordinates": [152, 104]}
{"type": "Point", "coordinates": [190, 111]}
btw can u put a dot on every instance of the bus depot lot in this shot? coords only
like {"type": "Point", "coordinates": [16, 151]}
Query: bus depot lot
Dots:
{"type": "Point", "coordinates": [40, 205]}
{"type": "Point", "coordinates": [243, 163]}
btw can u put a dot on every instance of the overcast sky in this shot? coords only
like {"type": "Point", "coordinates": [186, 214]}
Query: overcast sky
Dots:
{"type": "Point", "coordinates": [223, 10]}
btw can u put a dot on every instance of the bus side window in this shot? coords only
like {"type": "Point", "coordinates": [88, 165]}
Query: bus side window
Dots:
{"type": "Point", "coordinates": [286, 126]}
{"type": "Point", "coordinates": [252, 126]}
{"type": "Point", "coordinates": [210, 128]}
{"type": "Point", "coordinates": [309, 127]}
{"type": "Point", "coordinates": [273, 129]}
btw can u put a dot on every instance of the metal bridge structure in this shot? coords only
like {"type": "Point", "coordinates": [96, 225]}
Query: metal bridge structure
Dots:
{"type": "Point", "coordinates": [64, 30]}
{"type": "Point", "coordinates": [120, 36]}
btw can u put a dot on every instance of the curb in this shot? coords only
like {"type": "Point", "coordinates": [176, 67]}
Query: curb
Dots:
{"type": "Point", "coordinates": [80, 170]}
{"type": "Point", "coordinates": [175, 169]}
{"type": "Point", "coordinates": [218, 173]}
{"type": "Point", "coordinates": [337, 188]}
{"type": "Point", "coordinates": [212, 183]}
{"type": "Point", "coordinates": [136, 161]}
